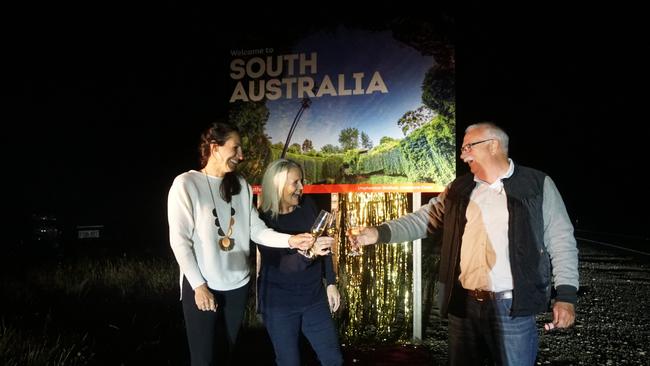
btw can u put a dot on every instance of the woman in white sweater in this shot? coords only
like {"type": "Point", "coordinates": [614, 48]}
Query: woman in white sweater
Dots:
{"type": "Point", "coordinates": [211, 222]}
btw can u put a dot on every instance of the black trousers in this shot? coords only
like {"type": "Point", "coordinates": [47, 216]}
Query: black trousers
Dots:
{"type": "Point", "coordinates": [213, 333]}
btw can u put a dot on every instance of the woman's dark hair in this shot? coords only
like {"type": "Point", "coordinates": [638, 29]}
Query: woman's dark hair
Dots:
{"type": "Point", "coordinates": [218, 133]}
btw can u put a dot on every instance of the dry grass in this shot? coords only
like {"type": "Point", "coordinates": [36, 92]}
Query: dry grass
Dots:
{"type": "Point", "coordinates": [73, 312]}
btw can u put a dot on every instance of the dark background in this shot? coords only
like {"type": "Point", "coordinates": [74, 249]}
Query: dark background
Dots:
{"type": "Point", "coordinates": [107, 101]}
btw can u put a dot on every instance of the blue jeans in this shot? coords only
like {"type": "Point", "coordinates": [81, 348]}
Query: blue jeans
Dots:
{"type": "Point", "coordinates": [486, 333]}
{"type": "Point", "coordinates": [285, 324]}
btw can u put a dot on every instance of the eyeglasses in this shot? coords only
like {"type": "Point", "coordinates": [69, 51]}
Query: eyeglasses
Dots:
{"type": "Point", "coordinates": [467, 148]}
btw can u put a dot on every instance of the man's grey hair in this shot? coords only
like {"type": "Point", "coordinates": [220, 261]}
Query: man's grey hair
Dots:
{"type": "Point", "coordinates": [494, 132]}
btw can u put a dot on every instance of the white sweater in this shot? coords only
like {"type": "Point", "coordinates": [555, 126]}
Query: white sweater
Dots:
{"type": "Point", "coordinates": [193, 235]}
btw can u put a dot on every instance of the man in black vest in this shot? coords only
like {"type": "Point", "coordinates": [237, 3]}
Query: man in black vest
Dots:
{"type": "Point", "coordinates": [505, 234]}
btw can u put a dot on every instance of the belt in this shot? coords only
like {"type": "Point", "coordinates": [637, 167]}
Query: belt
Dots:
{"type": "Point", "coordinates": [482, 295]}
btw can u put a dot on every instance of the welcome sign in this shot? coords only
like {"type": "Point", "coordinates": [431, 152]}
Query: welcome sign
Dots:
{"type": "Point", "coordinates": [361, 110]}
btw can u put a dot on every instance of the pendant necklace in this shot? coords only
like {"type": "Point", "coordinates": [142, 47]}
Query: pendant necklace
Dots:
{"type": "Point", "coordinates": [225, 243]}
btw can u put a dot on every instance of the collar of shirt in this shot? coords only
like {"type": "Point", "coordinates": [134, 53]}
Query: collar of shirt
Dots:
{"type": "Point", "coordinates": [498, 184]}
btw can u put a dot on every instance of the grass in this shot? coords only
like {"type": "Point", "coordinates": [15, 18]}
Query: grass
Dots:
{"type": "Point", "coordinates": [19, 347]}
{"type": "Point", "coordinates": [90, 310]}
{"type": "Point", "coordinates": [126, 278]}
{"type": "Point", "coordinates": [102, 308]}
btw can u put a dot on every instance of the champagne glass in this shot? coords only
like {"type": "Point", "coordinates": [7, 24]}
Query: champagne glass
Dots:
{"type": "Point", "coordinates": [352, 217]}
{"type": "Point", "coordinates": [322, 221]}
{"type": "Point", "coordinates": [332, 230]}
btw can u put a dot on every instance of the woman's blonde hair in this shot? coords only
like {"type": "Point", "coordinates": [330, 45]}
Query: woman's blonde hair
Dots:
{"type": "Point", "coordinates": [275, 177]}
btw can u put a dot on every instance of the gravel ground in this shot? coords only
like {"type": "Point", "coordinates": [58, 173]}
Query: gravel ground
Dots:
{"type": "Point", "coordinates": [613, 318]}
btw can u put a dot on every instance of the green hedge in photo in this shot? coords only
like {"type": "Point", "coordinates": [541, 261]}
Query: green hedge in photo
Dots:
{"type": "Point", "coordinates": [425, 155]}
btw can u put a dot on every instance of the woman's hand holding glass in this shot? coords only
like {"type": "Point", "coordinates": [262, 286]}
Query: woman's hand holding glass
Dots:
{"type": "Point", "coordinates": [321, 223]}
{"type": "Point", "coordinates": [322, 245]}
{"type": "Point", "coordinates": [301, 241]}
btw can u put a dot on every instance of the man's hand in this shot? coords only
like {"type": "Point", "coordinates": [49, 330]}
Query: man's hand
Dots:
{"type": "Point", "coordinates": [564, 315]}
{"type": "Point", "coordinates": [364, 236]}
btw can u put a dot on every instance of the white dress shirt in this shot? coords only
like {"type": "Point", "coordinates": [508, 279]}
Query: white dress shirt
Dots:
{"type": "Point", "coordinates": [484, 257]}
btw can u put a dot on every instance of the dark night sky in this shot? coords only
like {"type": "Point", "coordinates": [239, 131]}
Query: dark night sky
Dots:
{"type": "Point", "coordinates": [109, 103]}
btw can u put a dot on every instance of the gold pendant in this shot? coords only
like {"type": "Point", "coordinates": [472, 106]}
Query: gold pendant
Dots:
{"type": "Point", "coordinates": [226, 243]}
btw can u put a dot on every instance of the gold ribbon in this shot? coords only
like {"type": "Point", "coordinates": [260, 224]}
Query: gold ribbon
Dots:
{"type": "Point", "coordinates": [376, 286]}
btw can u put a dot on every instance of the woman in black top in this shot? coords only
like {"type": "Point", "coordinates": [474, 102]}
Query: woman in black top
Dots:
{"type": "Point", "coordinates": [290, 285]}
